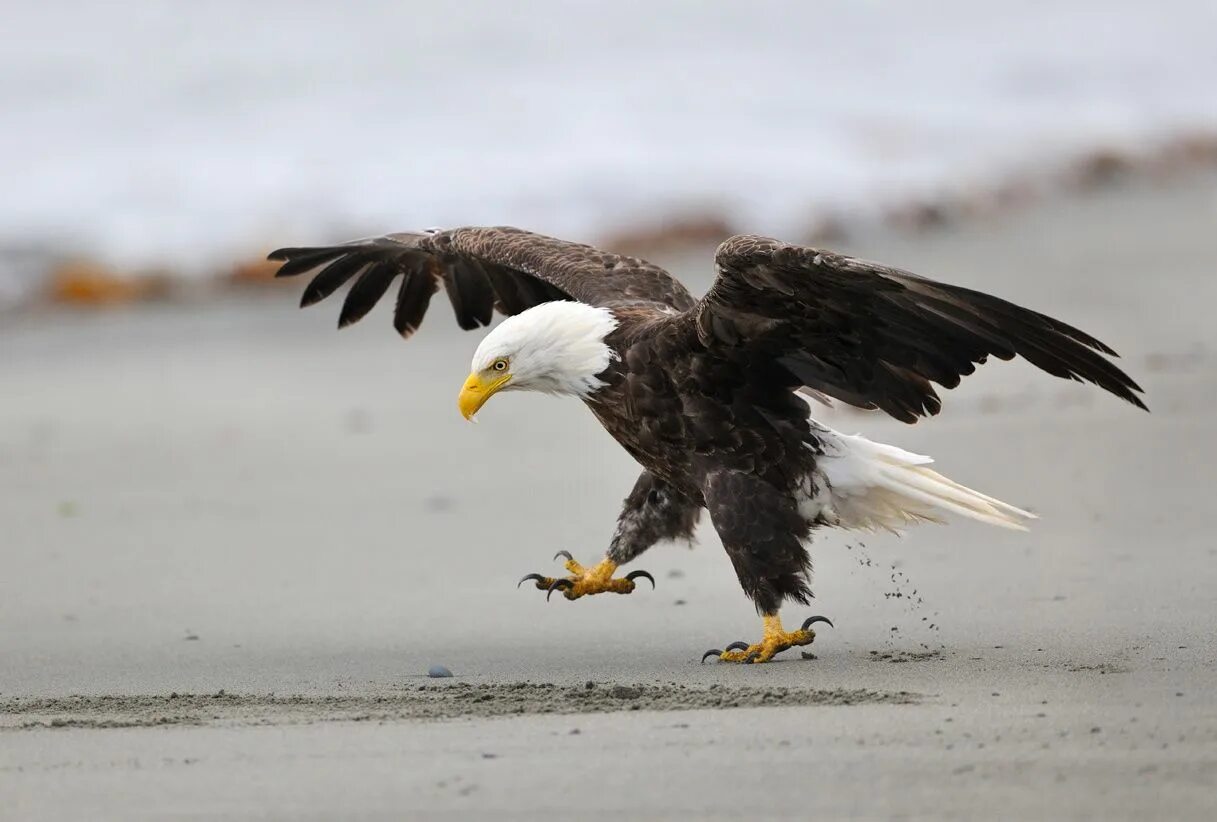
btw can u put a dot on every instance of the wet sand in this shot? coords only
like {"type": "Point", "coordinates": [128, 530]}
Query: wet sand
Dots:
{"type": "Point", "coordinates": [235, 541]}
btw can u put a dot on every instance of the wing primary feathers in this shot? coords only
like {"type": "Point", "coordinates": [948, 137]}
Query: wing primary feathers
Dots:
{"type": "Point", "coordinates": [455, 297]}
{"type": "Point", "coordinates": [331, 278]}
{"type": "Point", "coordinates": [417, 288]}
{"type": "Point", "coordinates": [366, 292]}
{"type": "Point", "coordinates": [1003, 308]}
{"type": "Point", "coordinates": [533, 290]}
{"type": "Point", "coordinates": [475, 306]}
{"type": "Point", "coordinates": [876, 336]}
{"type": "Point", "coordinates": [299, 260]}
{"type": "Point", "coordinates": [867, 334]}
{"type": "Point", "coordinates": [482, 269]}
{"type": "Point", "coordinates": [506, 286]}
{"type": "Point", "coordinates": [1053, 346]}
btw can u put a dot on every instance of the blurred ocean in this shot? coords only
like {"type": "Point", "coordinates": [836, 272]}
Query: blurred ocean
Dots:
{"type": "Point", "coordinates": [152, 133]}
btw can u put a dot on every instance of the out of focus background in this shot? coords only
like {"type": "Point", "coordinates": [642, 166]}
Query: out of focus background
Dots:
{"type": "Point", "coordinates": [205, 491]}
{"type": "Point", "coordinates": [155, 139]}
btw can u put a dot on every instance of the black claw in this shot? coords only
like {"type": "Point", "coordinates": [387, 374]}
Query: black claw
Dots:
{"type": "Point", "coordinates": [710, 653]}
{"type": "Point", "coordinates": [751, 658]}
{"type": "Point", "coordinates": [566, 554]}
{"type": "Point", "coordinates": [633, 575]}
{"type": "Point", "coordinates": [527, 577]}
{"type": "Point", "coordinates": [814, 619]}
{"type": "Point", "coordinates": [738, 646]}
{"type": "Point", "coordinates": [556, 584]}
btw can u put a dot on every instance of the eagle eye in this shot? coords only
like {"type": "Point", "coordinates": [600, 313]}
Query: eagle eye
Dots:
{"type": "Point", "coordinates": [499, 365]}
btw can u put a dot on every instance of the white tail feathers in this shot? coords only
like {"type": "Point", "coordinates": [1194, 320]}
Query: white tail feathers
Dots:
{"type": "Point", "coordinates": [875, 486]}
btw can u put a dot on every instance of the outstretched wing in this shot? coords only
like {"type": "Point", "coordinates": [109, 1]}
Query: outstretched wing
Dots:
{"type": "Point", "coordinates": [874, 336]}
{"type": "Point", "coordinates": [481, 269]}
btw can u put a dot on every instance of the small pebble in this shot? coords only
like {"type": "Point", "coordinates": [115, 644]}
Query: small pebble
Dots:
{"type": "Point", "coordinates": [438, 672]}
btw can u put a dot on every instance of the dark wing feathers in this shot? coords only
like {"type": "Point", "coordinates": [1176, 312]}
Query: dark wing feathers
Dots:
{"type": "Point", "coordinates": [867, 334]}
{"type": "Point", "coordinates": [418, 285]}
{"type": "Point", "coordinates": [330, 279]}
{"type": "Point", "coordinates": [366, 292]}
{"type": "Point", "coordinates": [305, 260]}
{"type": "Point", "coordinates": [481, 269]}
{"type": "Point", "coordinates": [510, 296]}
{"type": "Point", "coordinates": [877, 337]}
{"type": "Point", "coordinates": [477, 293]}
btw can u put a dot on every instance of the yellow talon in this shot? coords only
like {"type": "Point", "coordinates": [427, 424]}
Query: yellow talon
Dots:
{"type": "Point", "coordinates": [585, 581]}
{"type": "Point", "coordinates": [774, 640]}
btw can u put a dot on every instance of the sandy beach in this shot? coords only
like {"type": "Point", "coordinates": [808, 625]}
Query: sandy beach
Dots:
{"type": "Point", "coordinates": [235, 540]}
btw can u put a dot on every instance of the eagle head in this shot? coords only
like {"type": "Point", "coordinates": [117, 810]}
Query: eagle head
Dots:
{"type": "Point", "coordinates": [556, 348]}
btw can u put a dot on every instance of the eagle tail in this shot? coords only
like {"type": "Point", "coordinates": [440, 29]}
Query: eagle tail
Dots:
{"type": "Point", "coordinates": [874, 486]}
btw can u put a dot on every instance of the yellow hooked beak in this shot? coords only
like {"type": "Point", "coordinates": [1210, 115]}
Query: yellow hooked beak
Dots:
{"type": "Point", "coordinates": [476, 390]}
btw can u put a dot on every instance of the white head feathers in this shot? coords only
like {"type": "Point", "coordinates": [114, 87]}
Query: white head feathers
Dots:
{"type": "Point", "coordinates": [555, 347]}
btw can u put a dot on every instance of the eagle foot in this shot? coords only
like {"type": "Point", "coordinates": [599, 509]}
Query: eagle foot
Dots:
{"type": "Point", "coordinates": [582, 581]}
{"type": "Point", "coordinates": [775, 640]}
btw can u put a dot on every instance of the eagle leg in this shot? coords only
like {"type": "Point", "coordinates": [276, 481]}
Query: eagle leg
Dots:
{"type": "Point", "coordinates": [584, 581]}
{"type": "Point", "coordinates": [774, 640]}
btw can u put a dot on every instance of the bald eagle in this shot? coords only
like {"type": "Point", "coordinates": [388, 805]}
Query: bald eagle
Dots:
{"type": "Point", "coordinates": [708, 394]}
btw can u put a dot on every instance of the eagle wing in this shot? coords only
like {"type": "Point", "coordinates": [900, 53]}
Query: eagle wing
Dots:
{"type": "Point", "coordinates": [877, 337]}
{"type": "Point", "coordinates": [481, 269]}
